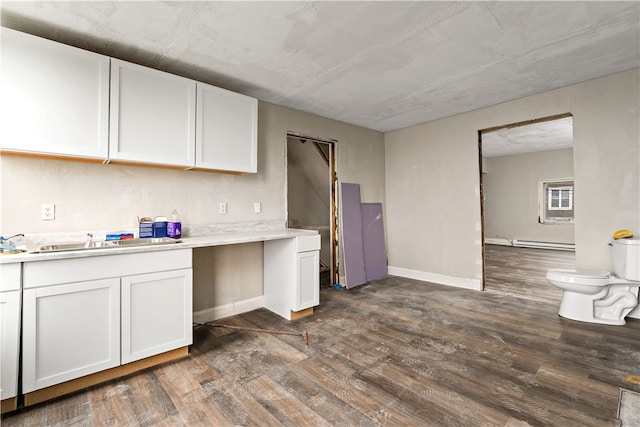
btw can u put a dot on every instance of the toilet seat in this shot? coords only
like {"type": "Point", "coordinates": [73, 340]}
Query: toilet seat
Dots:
{"type": "Point", "coordinates": [580, 277]}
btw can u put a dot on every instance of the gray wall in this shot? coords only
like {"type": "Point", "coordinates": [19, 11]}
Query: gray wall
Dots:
{"type": "Point", "coordinates": [432, 188]}
{"type": "Point", "coordinates": [93, 197]}
{"type": "Point", "coordinates": [511, 188]}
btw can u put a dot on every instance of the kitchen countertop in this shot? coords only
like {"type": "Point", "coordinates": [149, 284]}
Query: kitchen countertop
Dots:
{"type": "Point", "coordinates": [215, 238]}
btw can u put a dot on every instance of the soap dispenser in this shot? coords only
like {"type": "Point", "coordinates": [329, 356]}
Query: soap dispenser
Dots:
{"type": "Point", "coordinates": [174, 228]}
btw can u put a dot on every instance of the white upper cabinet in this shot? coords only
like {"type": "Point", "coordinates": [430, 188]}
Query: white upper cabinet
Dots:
{"type": "Point", "coordinates": [54, 99]}
{"type": "Point", "coordinates": [227, 130]}
{"type": "Point", "coordinates": [152, 116]}
{"type": "Point", "coordinates": [63, 101]}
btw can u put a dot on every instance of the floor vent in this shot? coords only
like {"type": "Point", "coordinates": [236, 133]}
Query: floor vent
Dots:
{"type": "Point", "coordinates": [629, 408]}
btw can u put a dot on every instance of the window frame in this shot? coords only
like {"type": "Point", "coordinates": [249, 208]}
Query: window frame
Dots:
{"type": "Point", "coordinates": [545, 200]}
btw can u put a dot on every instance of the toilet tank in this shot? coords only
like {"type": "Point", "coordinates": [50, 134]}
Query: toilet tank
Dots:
{"type": "Point", "coordinates": [625, 258]}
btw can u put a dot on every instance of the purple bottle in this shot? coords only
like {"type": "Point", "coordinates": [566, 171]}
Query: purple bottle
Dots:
{"type": "Point", "coordinates": [174, 227]}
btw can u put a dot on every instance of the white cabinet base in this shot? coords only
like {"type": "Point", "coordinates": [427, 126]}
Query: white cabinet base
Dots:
{"type": "Point", "coordinates": [10, 300]}
{"type": "Point", "coordinates": [10, 324]}
{"type": "Point", "coordinates": [292, 275]}
{"type": "Point", "coordinates": [69, 331]}
{"type": "Point", "coordinates": [73, 323]}
{"type": "Point", "coordinates": [156, 313]}
{"type": "Point", "coordinates": [308, 280]}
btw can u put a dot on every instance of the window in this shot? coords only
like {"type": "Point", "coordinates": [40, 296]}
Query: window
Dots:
{"type": "Point", "coordinates": [560, 198]}
{"type": "Point", "coordinates": [556, 201]}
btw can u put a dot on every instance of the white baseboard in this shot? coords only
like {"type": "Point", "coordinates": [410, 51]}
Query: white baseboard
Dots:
{"type": "Point", "coordinates": [227, 310]}
{"type": "Point", "coordinates": [458, 282]}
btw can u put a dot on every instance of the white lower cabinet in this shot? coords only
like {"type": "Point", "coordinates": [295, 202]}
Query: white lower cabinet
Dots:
{"type": "Point", "coordinates": [156, 313]}
{"type": "Point", "coordinates": [292, 274]}
{"type": "Point", "coordinates": [70, 331]}
{"type": "Point", "coordinates": [85, 315]}
{"type": "Point", "coordinates": [10, 276]}
{"type": "Point", "coordinates": [308, 279]}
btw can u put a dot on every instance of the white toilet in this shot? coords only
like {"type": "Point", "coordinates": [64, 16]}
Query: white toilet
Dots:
{"type": "Point", "coordinates": [600, 296]}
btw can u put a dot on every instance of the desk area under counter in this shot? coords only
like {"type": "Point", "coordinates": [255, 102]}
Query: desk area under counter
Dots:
{"type": "Point", "coordinates": [289, 277]}
{"type": "Point", "coordinates": [114, 285]}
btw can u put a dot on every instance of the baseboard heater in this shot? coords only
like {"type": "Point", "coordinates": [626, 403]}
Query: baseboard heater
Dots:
{"type": "Point", "coordinates": [530, 244]}
{"type": "Point", "coordinates": [497, 241]}
{"type": "Point", "coordinates": [544, 245]}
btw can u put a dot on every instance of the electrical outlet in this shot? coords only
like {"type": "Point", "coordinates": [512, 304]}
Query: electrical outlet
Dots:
{"type": "Point", "coordinates": [222, 208]}
{"type": "Point", "coordinates": [48, 212]}
{"type": "Point", "coordinates": [257, 207]}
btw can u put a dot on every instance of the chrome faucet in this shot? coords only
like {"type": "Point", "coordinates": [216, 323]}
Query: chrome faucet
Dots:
{"type": "Point", "coordinates": [89, 239]}
{"type": "Point", "coordinates": [6, 244]}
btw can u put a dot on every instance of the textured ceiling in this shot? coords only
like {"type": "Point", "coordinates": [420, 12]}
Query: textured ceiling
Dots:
{"type": "Point", "coordinates": [380, 65]}
{"type": "Point", "coordinates": [541, 136]}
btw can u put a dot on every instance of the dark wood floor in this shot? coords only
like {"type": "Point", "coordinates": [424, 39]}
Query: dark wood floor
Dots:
{"type": "Point", "coordinates": [396, 352]}
{"type": "Point", "coordinates": [521, 271]}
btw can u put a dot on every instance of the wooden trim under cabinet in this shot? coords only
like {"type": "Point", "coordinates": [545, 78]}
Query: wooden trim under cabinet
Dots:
{"type": "Point", "coordinates": [295, 315]}
{"type": "Point", "coordinates": [8, 405]}
{"type": "Point", "coordinates": [146, 165]}
{"type": "Point", "coordinates": [71, 386]}
{"type": "Point", "coordinates": [43, 156]}
{"type": "Point", "coordinates": [116, 162]}
{"type": "Point", "coordinates": [220, 171]}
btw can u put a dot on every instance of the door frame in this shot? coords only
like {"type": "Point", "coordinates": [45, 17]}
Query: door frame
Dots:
{"type": "Point", "coordinates": [333, 211]}
{"type": "Point", "coordinates": [492, 129]}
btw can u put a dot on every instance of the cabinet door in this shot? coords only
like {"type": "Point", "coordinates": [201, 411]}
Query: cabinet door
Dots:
{"type": "Point", "coordinates": [55, 98]}
{"type": "Point", "coordinates": [156, 313]}
{"type": "Point", "coordinates": [152, 116]}
{"type": "Point", "coordinates": [227, 130]}
{"type": "Point", "coordinates": [9, 340]}
{"type": "Point", "coordinates": [308, 280]}
{"type": "Point", "coordinates": [69, 331]}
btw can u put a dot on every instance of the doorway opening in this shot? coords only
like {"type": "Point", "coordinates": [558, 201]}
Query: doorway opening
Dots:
{"type": "Point", "coordinates": [526, 193]}
{"type": "Point", "coordinates": [311, 196]}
